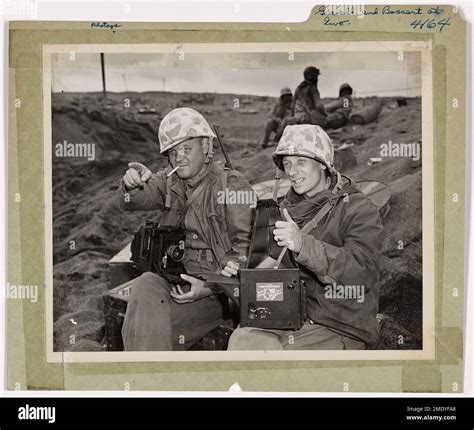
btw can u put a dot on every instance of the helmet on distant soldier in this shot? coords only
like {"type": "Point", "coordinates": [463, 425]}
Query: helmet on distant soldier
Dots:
{"type": "Point", "coordinates": [311, 73]}
{"type": "Point", "coordinates": [285, 91]}
{"type": "Point", "coordinates": [305, 140]}
{"type": "Point", "coordinates": [180, 125]}
{"type": "Point", "coordinates": [345, 88]}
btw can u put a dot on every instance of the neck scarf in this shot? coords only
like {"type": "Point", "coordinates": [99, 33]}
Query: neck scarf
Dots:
{"type": "Point", "coordinates": [303, 209]}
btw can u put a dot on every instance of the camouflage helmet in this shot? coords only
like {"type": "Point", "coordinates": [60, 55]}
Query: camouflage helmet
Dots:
{"type": "Point", "coordinates": [305, 140]}
{"type": "Point", "coordinates": [180, 125]}
{"type": "Point", "coordinates": [285, 90]}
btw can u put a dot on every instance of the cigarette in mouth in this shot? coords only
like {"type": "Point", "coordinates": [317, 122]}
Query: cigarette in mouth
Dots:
{"type": "Point", "coordinates": [174, 170]}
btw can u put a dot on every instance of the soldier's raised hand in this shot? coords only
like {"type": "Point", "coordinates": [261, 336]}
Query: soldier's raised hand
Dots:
{"type": "Point", "coordinates": [136, 176]}
{"type": "Point", "coordinates": [287, 233]}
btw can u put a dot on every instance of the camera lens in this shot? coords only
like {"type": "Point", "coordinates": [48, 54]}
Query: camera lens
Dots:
{"type": "Point", "coordinates": [175, 253]}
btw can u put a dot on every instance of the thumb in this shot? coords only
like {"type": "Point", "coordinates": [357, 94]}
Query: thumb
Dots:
{"type": "Point", "coordinates": [243, 258]}
{"type": "Point", "coordinates": [287, 215]}
{"type": "Point", "coordinates": [186, 277]}
{"type": "Point", "coordinates": [146, 175]}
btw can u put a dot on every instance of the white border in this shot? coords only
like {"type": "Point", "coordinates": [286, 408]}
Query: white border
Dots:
{"type": "Point", "coordinates": [428, 351]}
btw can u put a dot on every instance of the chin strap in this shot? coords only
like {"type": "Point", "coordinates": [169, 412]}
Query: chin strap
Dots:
{"type": "Point", "coordinates": [276, 186]}
{"type": "Point", "coordinates": [338, 185]}
{"type": "Point", "coordinates": [210, 151]}
{"type": "Point", "coordinates": [168, 185]}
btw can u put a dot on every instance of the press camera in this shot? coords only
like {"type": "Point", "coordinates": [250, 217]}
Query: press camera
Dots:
{"type": "Point", "coordinates": [160, 249]}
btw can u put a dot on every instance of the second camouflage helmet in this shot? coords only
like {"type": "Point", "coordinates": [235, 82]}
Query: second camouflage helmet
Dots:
{"type": "Point", "coordinates": [305, 140]}
{"type": "Point", "coordinates": [182, 124]}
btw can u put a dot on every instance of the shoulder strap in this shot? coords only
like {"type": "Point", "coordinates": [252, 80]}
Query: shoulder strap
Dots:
{"type": "Point", "coordinates": [318, 217]}
{"type": "Point", "coordinates": [224, 173]}
{"type": "Point", "coordinates": [307, 228]}
{"type": "Point", "coordinates": [199, 189]}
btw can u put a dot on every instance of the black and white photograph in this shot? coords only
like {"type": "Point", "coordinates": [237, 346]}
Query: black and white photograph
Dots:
{"type": "Point", "coordinates": [259, 201]}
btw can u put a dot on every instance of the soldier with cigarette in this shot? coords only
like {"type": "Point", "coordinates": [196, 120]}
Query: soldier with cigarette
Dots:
{"type": "Point", "coordinates": [161, 316]}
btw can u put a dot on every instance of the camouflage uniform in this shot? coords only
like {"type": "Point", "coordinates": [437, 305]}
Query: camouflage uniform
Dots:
{"type": "Point", "coordinates": [215, 234]}
{"type": "Point", "coordinates": [342, 251]}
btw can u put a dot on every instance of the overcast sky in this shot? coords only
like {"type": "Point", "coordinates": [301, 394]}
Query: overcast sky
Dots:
{"type": "Point", "coordinates": [368, 73]}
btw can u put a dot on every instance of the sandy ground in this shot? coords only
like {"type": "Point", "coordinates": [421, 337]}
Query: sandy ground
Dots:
{"type": "Point", "coordinates": [89, 228]}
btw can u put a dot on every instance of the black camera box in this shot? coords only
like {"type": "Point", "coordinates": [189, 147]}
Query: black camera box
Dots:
{"type": "Point", "coordinates": [272, 299]}
{"type": "Point", "coordinates": [159, 249]}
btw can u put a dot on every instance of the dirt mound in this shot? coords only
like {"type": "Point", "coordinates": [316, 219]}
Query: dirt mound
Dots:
{"type": "Point", "coordinates": [89, 228]}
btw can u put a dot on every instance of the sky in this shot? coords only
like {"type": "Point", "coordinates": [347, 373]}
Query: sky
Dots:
{"type": "Point", "coordinates": [257, 74]}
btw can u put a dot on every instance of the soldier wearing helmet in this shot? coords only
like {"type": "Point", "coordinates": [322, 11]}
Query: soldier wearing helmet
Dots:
{"type": "Point", "coordinates": [188, 194]}
{"type": "Point", "coordinates": [340, 110]}
{"type": "Point", "coordinates": [338, 258]}
{"type": "Point", "coordinates": [281, 110]}
{"type": "Point", "coordinates": [307, 105]}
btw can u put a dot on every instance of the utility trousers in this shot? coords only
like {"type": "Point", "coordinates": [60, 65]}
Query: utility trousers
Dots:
{"type": "Point", "coordinates": [309, 337]}
{"type": "Point", "coordinates": [155, 322]}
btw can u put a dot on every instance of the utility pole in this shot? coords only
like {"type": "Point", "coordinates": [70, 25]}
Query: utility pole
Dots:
{"type": "Point", "coordinates": [104, 91]}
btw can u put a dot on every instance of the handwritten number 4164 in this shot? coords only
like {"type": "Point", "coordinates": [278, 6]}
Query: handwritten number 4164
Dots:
{"type": "Point", "coordinates": [418, 24]}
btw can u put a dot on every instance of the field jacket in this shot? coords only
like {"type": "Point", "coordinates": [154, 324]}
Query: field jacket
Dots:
{"type": "Point", "coordinates": [340, 260]}
{"type": "Point", "coordinates": [218, 230]}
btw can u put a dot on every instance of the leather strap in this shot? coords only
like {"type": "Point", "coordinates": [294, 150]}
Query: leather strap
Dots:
{"type": "Point", "coordinates": [276, 185]}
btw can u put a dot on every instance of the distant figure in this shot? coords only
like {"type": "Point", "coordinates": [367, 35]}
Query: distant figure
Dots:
{"type": "Point", "coordinates": [340, 110]}
{"type": "Point", "coordinates": [307, 105]}
{"type": "Point", "coordinates": [281, 110]}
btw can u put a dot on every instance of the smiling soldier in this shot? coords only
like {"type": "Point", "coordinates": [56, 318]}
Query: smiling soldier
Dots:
{"type": "Point", "coordinates": [343, 249]}
{"type": "Point", "coordinates": [161, 316]}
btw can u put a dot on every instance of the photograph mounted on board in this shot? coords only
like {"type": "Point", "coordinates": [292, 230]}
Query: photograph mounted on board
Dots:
{"type": "Point", "coordinates": [239, 202]}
